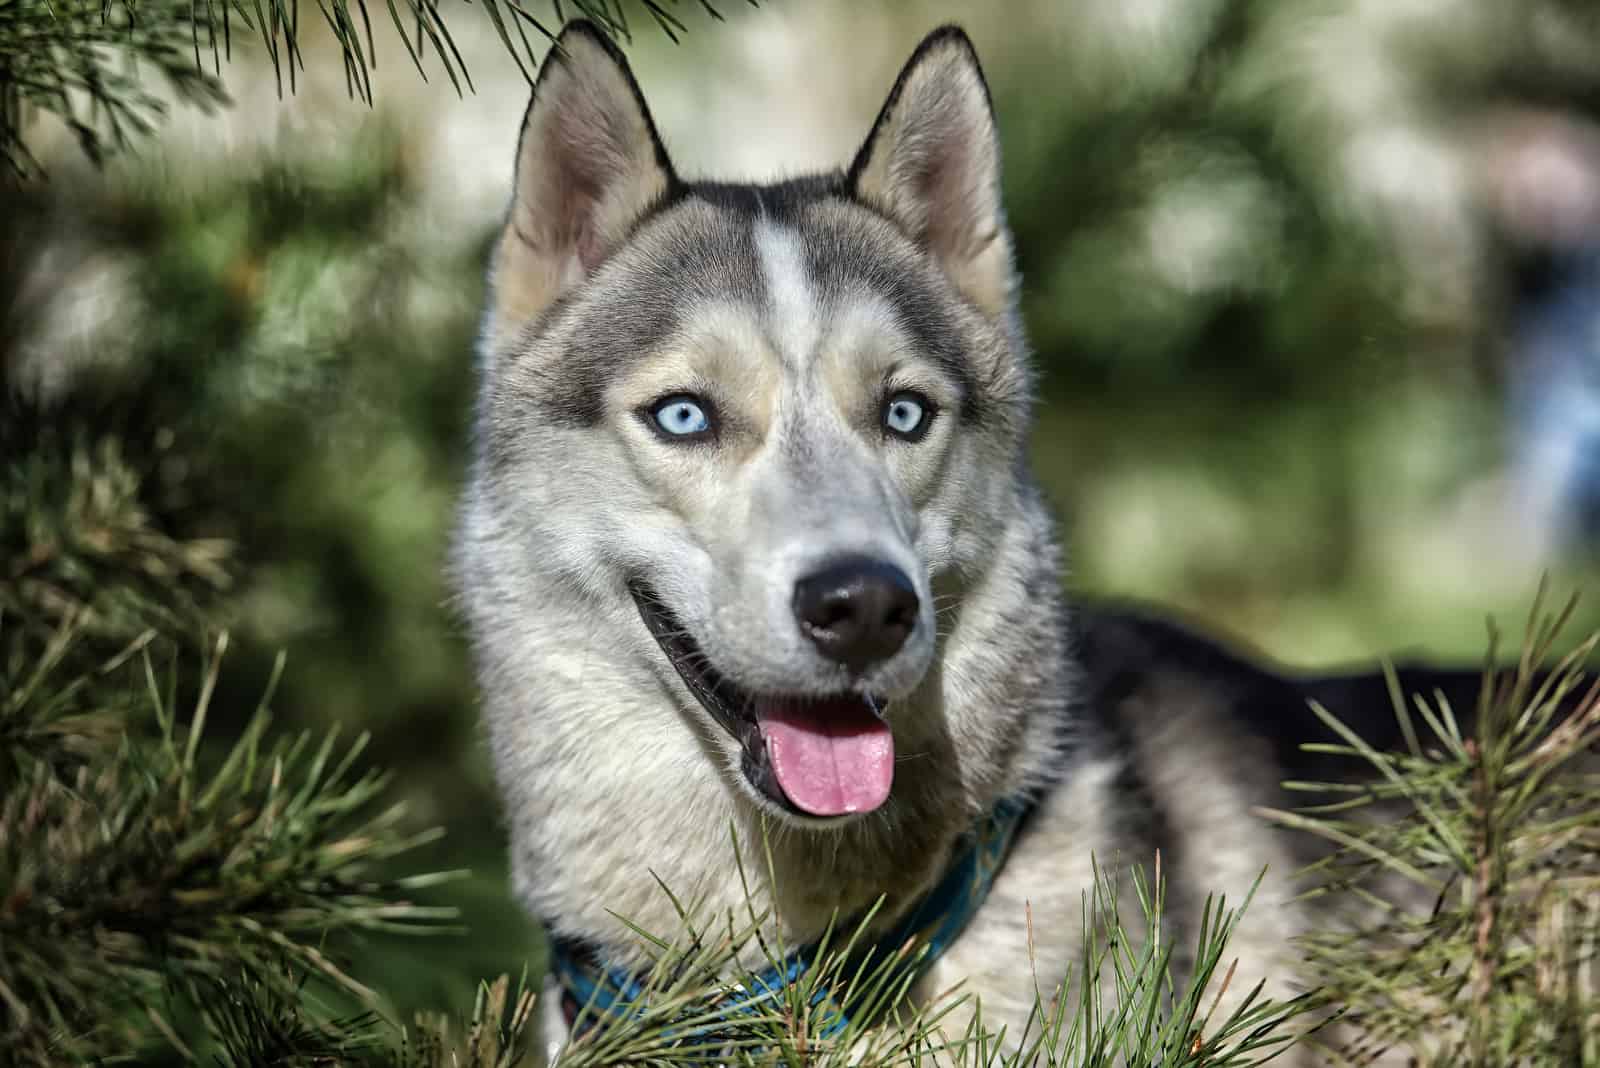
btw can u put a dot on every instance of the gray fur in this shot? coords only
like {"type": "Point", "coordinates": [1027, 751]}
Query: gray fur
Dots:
{"type": "Point", "coordinates": [792, 307]}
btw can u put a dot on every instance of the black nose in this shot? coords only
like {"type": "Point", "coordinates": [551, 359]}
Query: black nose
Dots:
{"type": "Point", "coordinates": [858, 611]}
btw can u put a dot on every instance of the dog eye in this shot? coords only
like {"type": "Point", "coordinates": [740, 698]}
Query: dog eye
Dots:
{"type": "Point", "coordinates": [907, 415]}
{"type": "Point", "coordinates": [682, 416]}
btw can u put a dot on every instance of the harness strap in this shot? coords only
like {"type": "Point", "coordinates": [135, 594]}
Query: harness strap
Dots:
{"type": "Point", "coordinates": [590, 989]}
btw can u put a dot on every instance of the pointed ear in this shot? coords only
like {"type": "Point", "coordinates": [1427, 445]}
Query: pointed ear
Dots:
{"type": "Point", "coordinates": [932, 164]}
{"type": "Point", "coordinates": [589, 164]}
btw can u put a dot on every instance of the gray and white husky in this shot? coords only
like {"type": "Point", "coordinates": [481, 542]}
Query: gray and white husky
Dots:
{"type": "Point", "coordinates": [751, 540]}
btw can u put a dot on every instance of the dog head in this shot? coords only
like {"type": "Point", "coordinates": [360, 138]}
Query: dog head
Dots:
{"type": "Point", "coordinates": [779, 422]}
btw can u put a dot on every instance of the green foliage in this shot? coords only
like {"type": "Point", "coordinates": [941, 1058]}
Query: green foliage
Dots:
{"type": "Point", "coordinates": [143, 867]}
{"type": "Point", "coordinates": [80, 59]}
{"type": "Point", "coordinates": [177, 883]}
{"type": "Point", "coordinates": [1474, 855]}
{"type": "Point", "coordinates": [81, 544]}
{"type": "Point", "coordinates": [86, 61]}
{"type": "Point", "coordinates": [282, 310]}
{"type": "Point", "coordinates": [259, 1024]}
{"type": "Point", "coordinates": [197, 406]}
{"type": "Point", "coordinates": [1256, 309]}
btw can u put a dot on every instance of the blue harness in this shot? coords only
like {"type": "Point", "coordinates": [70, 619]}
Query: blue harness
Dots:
{"type": "Point", "coordinates": [591, 990]}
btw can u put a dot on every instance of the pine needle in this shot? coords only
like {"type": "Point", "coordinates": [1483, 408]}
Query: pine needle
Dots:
{"type": "Point", "coordinates": [86, 61]}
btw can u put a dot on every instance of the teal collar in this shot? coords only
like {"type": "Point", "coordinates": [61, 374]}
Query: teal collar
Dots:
{"type": "Point", "coordinates": [591, 989]}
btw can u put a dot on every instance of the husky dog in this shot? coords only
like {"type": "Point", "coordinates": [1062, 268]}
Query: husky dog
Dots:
{"type": "Point", "coordinates": [750, 539]}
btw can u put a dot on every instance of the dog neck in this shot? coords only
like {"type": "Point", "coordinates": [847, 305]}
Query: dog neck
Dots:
{"type": "Point", "coordinates": [591, 988]}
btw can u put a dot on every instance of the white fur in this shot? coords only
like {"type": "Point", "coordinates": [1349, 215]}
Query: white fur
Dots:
{"type": "Point", "coordinates": [793, 306]}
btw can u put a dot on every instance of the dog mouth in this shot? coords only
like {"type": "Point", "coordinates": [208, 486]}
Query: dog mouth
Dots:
{"type": "Point", "coordinates": [811, 756]}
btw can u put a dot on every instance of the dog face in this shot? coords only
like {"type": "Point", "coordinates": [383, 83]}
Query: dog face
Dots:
{"type": "Point", "coordinates": [777, 422]}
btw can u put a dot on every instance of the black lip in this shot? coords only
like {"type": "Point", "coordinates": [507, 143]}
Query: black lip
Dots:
{"type": "Point", "coordinates": [731, 707]}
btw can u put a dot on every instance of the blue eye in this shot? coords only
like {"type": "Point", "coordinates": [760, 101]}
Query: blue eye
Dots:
{"type": "Point", "coordinates": [682, 416]}
{"type": "Point", "coordinates": [907, 415]}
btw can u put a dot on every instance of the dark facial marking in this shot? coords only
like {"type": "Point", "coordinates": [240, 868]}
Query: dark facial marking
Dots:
{"type": "Point", "coordinates": [720, 262]}
{"type": "Point", "coordinates": [843, 266]}
{"type": "Point", "coordinates": [619, 331]}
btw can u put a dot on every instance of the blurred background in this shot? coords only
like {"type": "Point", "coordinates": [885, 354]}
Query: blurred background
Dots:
{"type": "Point", "coordinates": [1314, 289]}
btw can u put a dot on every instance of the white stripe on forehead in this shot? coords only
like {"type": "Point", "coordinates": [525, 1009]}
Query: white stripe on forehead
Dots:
{"type": "Point", "coordinates": [794, 318]}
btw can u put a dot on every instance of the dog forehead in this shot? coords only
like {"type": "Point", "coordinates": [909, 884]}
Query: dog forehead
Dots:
{"type": "Point", "coordinates": [808, 277]}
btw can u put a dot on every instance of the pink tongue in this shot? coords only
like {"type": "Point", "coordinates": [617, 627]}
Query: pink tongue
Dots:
{"type": "Point", "coordinates": [830, 757]}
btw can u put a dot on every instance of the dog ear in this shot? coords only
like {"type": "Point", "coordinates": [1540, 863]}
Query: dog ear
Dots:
{"type": "Point", "coordinates": [932, 164]}
{"type": "Point", "coordinates": [589, 164]}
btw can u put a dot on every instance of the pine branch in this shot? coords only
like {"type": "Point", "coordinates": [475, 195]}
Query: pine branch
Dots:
{"type": "Point", "coordinates": [1476, 857]}
{"type": "Point", "coordinates": [147, 868]}
{"type": "Point", "coordinates": [79, 60]}
{"type": "Point", "coordinates": [498, 1034]}
{"type": "Point", "coordinates": [253, 1022]}
{"type": "Point", "coordinates": [84, 61]}
{"type": "Point", "coordinates": [248, 1023]}
{"type": "Point", "coordinates": [50, 717]}
{"type": "Point", "coordinates": [79, 543]}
